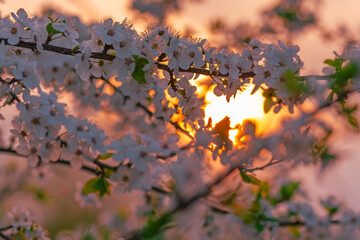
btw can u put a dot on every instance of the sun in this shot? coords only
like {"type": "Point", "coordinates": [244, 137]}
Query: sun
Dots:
{"type": "Point", "coordinates": [243, 106]}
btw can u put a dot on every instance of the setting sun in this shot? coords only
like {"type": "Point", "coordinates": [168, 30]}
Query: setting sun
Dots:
{"type": "Point", "coordinates": [243, 106]}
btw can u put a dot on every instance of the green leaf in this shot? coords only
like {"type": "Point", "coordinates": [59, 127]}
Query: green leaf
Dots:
{"type": "Point", "coordinates": [329, 62]}
{"type": "Point", "coordinates": [289, 15]}
{"type": "Point", "coordinates": [248, 218]}
{"type": "Point", "coordinates": [105, 156]}
{"type": "Point", "coordinates": [352, 120]}
{"type": "Point", "coordinates": [139, 73]}
{"type": "Point", "coordinates": [98, 185]}
{"type": "Point", "coordinates": [331, 210]}
{"type": "Point", "coordinates": [149, 99]}
{"type": "Point", "coordinates": [41, 195]}
{"type": "Point", "coordinates": [249, 178]}
{"type": "Point", "coordinates": [295, 85]}
{"type": "Point", "coordinates": [263, 217]}
{"type": "Point", "coordinates": [268, 103]}
{"type": "Point", "coordinates": [263, 191]}
{"type": "Point", "coordinates": [256, 217]}
{"type": "Point", "coordinates": [259, 226]}
{"type": "Point", "coordinates": [50, 30]}
{"type": "Point", "coordinates": [88, 236]}
{"type": "Point", "coordinates": [343, 75]}
{"type": "Point", "coordinates": [336, 63]}
{"type": "Point", "coordinates": [348, 112]}
{"type": "Point", "coordinates": [326, 156]}
{"type": "Point", "coordinates": [295, 231]}
{"type": "Point", "coordinates": [288, 190]}
{"type": "Point", "coordinates": [285, 193]}
{"type": "Point", "coordinates": [331, 96]}
{"type": "Point", "coordinates": [77, 47]}
{"type": "Point", "coordinates": [341, 78]}
{"type": "Point", "coordinates": [156, 227]}
{"type": "Point", "coordinates": [330, 207]}
{"type": "Point", "coordinates": [182, 92]}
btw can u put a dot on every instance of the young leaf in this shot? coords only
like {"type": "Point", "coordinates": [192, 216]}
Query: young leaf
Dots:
{"type": "Point", "coordinates": [98, 185]}
{"type": "Point", "coordinates": [139, 73]}
{"type": "Point", "coordinates": [295, 231]}
{"type": "Point", "coordinates": [296, 86]}
{"type": "Point", "coordinates": [50, 30]}
{"type": "Point", "coordinates": [249, 178]}
{"type": "Point", "coordinates": [330, 62]}
{"type": "Point", "coordinates": [336, 63]}
{"type": "Point", "coordinates": [268, 103]}
{"type": "Point", "coordinates": [288, 190]}
{"type": "Point", "coordinates": [263, 217]}
{"type": "Point", "coordinates": [352, 120]}
{"type": "Point", "coordinates": [156, 227]}
{"type": "Point", "coordinates": [76, 48]}
{"type": "Point", "coordinates": [105, 156]}
{"type": "Point", "coordinates": [88, 236]}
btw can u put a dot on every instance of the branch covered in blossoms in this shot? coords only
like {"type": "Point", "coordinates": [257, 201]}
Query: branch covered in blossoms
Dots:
{"type": "Point", "coordinates": [124, 106]}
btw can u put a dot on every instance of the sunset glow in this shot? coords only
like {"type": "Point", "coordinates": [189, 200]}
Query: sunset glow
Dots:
{"type": "Point", "coordinates": [243, 106]}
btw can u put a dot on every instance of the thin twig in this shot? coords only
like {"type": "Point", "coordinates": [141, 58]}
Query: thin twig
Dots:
{"type": "Point", "coordinates": [140, 105]}
{"type": "Point", "coordinates": [341, 97]}
{"type": "Point", "coordinates": [270, 163]}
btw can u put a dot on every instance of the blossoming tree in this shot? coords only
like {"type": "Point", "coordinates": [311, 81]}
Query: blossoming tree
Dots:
{"type": "Point", "coordinates": [189, 180]}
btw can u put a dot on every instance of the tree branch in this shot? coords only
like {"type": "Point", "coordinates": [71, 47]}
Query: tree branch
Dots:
{"type": "Point", "coordinates": [2, 235]}
{"type": "Point", "coordinates": [105, 56]}
{"type": "Point", "coordinates": [88, 169]}
{"type": "Point", "coordinates": [5, 228]}
{"type": "Point", "coordinates": [5, 237]}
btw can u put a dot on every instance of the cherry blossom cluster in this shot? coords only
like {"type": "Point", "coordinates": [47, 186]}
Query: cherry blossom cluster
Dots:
{"type": "Point", "coordinates": [23, 226]}
{"type": "Point", "coordinates": [57, 73]}
{"type": "Point", "coordinates": [115, 54]}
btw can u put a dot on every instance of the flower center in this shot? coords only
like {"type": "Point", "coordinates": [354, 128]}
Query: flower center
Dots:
{"type": "Point", "coordinates": [111, 32]}
{"type": "Point", "coordinates": [13, 30]}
